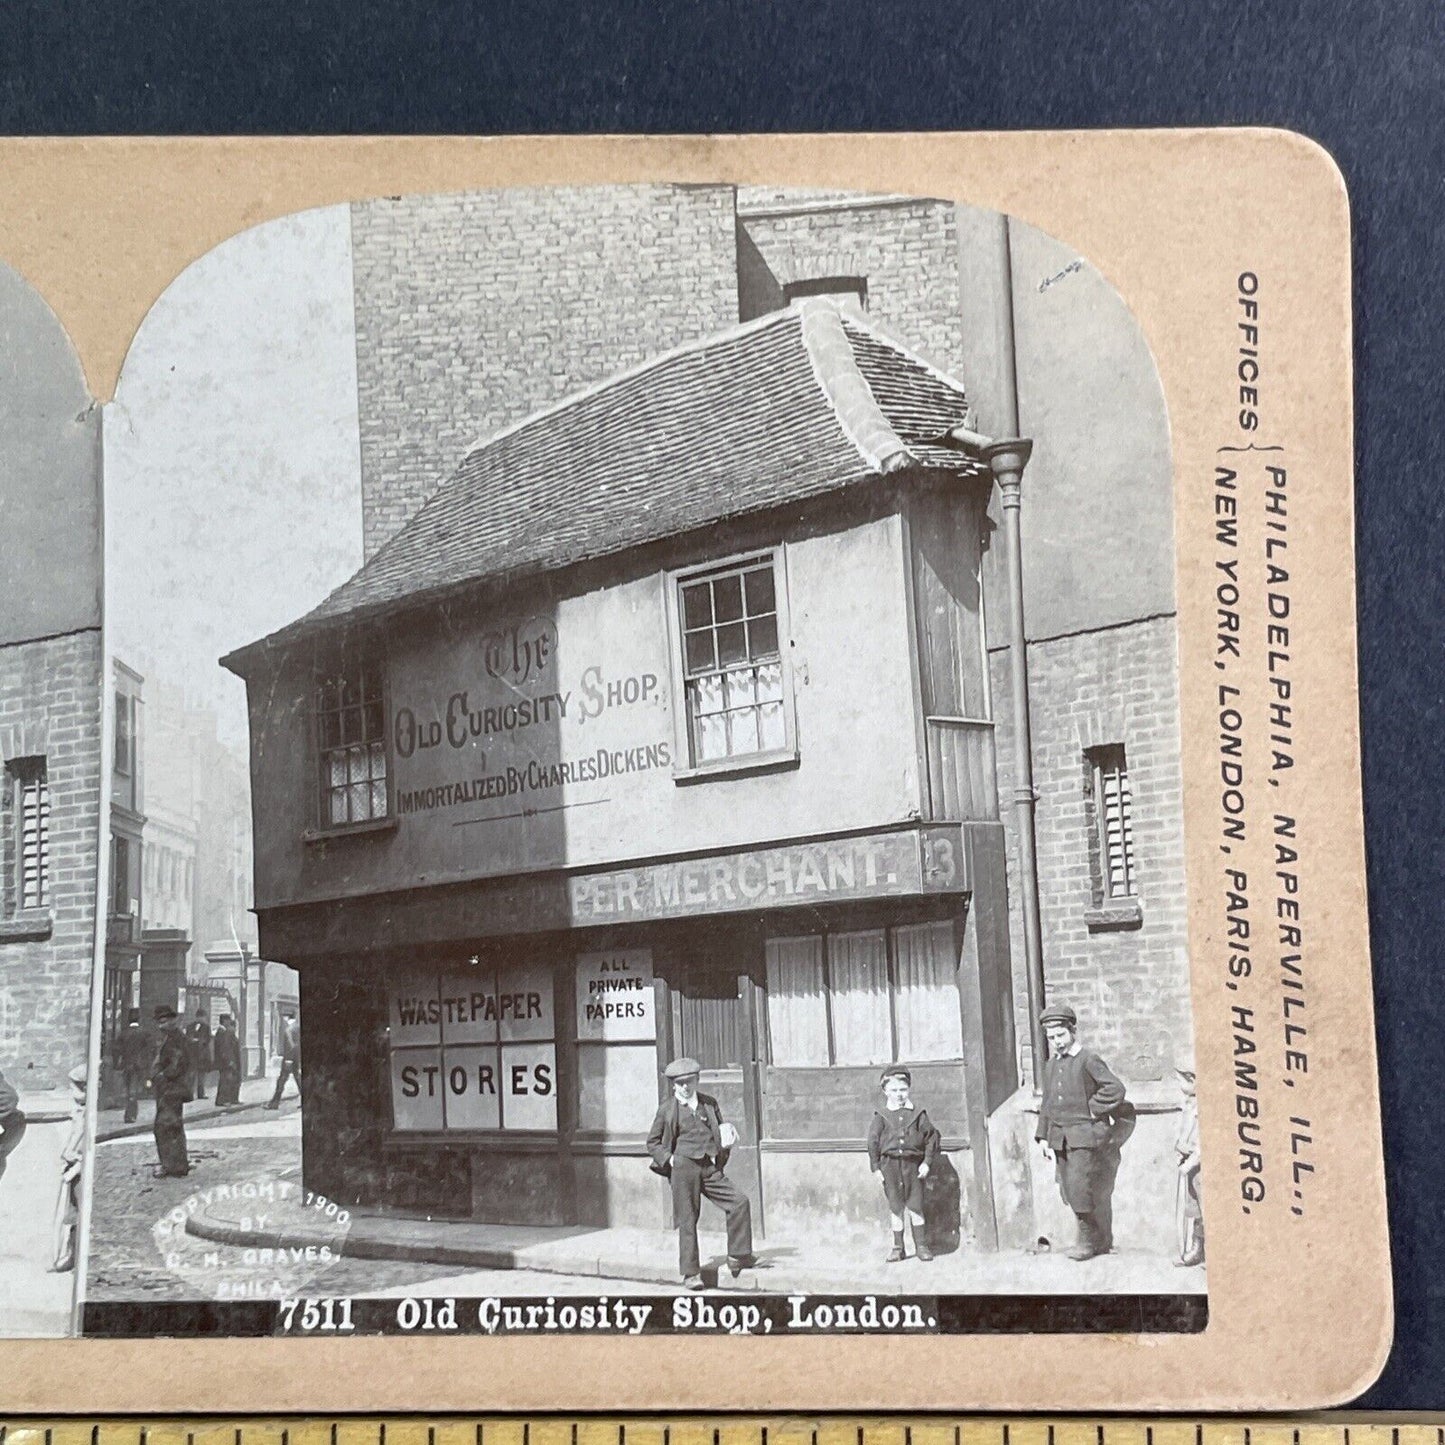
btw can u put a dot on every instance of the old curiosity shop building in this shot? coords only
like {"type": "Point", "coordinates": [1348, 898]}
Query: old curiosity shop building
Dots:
{"type": "Point", "coordinates": [699, 711]}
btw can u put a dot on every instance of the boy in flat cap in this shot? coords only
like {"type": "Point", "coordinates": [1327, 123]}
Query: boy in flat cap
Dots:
{"type": "Point", "coordinates": [171, 1076]}
{"type": "Point", "coordinates": [1076, 1129]}
{"type": "Point", "coordinates": [902, 1150]}
{"type": "Point", "coordinates": [689, 1144]}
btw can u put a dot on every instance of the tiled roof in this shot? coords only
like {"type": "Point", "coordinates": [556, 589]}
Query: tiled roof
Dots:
{"type": "Point", "coordinates": [794, 405]}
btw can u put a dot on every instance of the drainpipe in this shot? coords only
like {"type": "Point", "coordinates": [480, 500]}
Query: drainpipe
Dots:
{"type": "Point", "coordinates": [1008, 457]}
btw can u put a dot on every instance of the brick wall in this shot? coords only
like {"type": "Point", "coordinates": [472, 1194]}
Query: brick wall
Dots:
{"type": "Point", "coordinates": [907, 252]}
{"type": "Point", "coordinates": [1130, 985]}
{"type": "Point", "coordinates": [474, 310]}
{"type": "Point", "coordinates": [50, 699]}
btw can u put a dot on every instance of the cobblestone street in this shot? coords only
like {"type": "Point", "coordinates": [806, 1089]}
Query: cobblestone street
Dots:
{"type": "Point", "coordinates": [126, 1262]}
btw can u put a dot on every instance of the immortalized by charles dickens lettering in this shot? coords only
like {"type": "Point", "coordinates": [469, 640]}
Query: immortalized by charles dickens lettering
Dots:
{"type": "Point", "coordinates": [683, 678]}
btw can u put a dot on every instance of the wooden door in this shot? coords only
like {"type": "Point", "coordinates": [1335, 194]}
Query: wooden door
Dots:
{"type": "Point", "coordinates": [711, 1018]}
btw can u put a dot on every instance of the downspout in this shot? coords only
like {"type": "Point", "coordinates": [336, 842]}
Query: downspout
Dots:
{"type": "Point", "coordinates": [1007, 458]}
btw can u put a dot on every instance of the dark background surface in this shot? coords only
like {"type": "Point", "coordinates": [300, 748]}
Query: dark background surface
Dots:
{"type": "Point", "coordinates": [1367, 80]}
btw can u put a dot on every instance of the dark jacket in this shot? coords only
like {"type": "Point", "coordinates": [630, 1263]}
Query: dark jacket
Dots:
{"type": "Point", "coordinates": [913, 1138]}
{"type": "Point", "coordinates": [171, 1069]}
{"type": "Point", "coordinates": [134, 1050]}
{"type": "Point", "coordinates": [662, 1137]}
{"type": "Point", "coordinates": [1080, 1099]}
{"type": "Point", "coordinates": [198, 1040]}
{"type": "Point", "coordinates": [227, 1049]}
{"type": "Point", "coordinates": [291, 1041]}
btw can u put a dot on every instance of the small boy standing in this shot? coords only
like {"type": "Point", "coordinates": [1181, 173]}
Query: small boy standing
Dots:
{"type": "Point", "coordinates": [903, 1148]}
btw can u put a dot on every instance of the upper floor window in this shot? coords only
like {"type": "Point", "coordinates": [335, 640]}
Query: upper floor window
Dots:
{"type": "Point", "coordinates": [734, 674]}
{"type": "Point", "coordinates": [351, 745]}
{"type": "Point", "coordinates": [125, 788]}
{"type": "Point", "coordinates": [30, 808]}
{"type": "Point", "coordinates": [1109, 800]}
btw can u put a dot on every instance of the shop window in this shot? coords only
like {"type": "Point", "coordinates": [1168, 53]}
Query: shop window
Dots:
{"type": "Point", "coordinates": [474, 1049]}
{"type": "Point", "coordinates": [872, 996]}
{"type": "Point", "coordinates": [731, 668]}
{"type": "Point", "coordinates": [351, 746]}
{"type": "Point", "coordinates": [1109, 805]}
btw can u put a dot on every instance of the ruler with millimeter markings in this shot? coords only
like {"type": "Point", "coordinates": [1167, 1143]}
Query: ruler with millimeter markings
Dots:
{"type": "Point", "coordinates": [728, 1430]}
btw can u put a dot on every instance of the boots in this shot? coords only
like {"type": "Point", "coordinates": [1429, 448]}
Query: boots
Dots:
{"type": "Point", "coordinates": [1090, 1243]}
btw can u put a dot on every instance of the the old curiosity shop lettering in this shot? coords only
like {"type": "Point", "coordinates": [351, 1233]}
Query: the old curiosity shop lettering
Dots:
{"type": "Point", "coordinates": [462, 724]}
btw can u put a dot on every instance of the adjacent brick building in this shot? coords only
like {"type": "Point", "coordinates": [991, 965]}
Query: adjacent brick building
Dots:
{"type": "Point", "coordinates": [50, 695]}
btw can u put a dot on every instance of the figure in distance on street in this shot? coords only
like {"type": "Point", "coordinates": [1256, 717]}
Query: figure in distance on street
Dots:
{"type": "Point", "coordinates": [290, 1061]}
{"type": "Point", "coordinates": [171, 1077]}
{"type": "Point", "coordinates": [689, 1144]}
{"type": "Point", "coordinates": [1081, 1116]}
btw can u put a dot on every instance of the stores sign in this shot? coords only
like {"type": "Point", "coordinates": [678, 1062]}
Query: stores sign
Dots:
{"type": "Point", "coordinates": [473, 1050]}
{"type": "Point", "coordinates": [615, 998]}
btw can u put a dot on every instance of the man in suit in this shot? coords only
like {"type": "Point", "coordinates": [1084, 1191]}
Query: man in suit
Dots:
{"type": "Point", "coordinates": [290, 1060]}
{"type": "Point", "coordinates": [227, 1050]}
{"type": "Point", "coordinates": [171, 1076]}
{"type": "Point", "coordinates": [689, 1144]}
{"type": "Point", "coordinates": [198, 1041]}
{"type": "Point", "coordinates": [1077, 1129]}
{"type": "Point", "coordinates": [133, 1054]}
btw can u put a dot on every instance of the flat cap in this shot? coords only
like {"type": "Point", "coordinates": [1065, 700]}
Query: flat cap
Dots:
{"type": "Point", "coordinates": [1059, 1013]}
{"type": "Point", "coordinates": [163, 1011]}
{"type": "Point", "coordinates": [681, 1068]}
{"type": "Point", "coordinates": [895, 1071]}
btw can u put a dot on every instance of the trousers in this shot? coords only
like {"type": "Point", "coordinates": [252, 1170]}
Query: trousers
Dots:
{"type": "Point", "coordinates": [901, 1185]}
{"type": "Point", "coordinates": [692, 1180]}
{"type": "Point", "coordinates": [1086, 1182]}
{"type": "Point", "coordinates": [135, 1082]}
{"type": "Point", "coordinates": [289, 1070]}
{"type": "Point", "coordinates": [170, 1135]}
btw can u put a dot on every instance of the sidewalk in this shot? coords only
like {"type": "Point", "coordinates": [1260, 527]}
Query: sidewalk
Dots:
{"type": "Point", "coordinates": [843, 1266]}
{"type": "Point", "coordinates": [111, 1124]}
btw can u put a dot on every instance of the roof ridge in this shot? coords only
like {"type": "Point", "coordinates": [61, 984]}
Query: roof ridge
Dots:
{"type": "Point", "coordinates": [846, 389]}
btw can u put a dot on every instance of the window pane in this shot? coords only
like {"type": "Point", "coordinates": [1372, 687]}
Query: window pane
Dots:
{"type": "Point", "coordinates": [697, 605]}
{"type": "Point", "coordinates": [741, 686]}
{"type": "Point", "coordinates": [375, 723]}
{"type": "Point", "coordinates": [771, 732]}
{"type": "Point", "coordinates": [336, 810]}
{"type": "Point", "coordinates": [699, 652]}
{"type": "Point", "coordinates": [743, 732]}
{"type": "Point", "coordinates": [378, 800]}
{"type": "Point", "coordinates": [797, 1007]}
{"type": "Point", "coordinates": [763, 636]}
{"type": "Point", "coordinates": [707, 694]}
{"type": "Point", "coordinates": [858, 974]}
{"type": "Point", "coordinates": [732, 644]}
{"type": "Point", "coordinates": [760, 591]}
{"type": "Point", "coordinates": [770, 682]}
{"type": "Point", "coordinates": [355, 765]}
{"type": "Point", "coordinates": [727, 598]}
{"type": "Point", "coordinates": [926, 1000]}
{"type": "Point", "coordinates": [330, 730]}
{"type": "Point", "coordinates": [360, 794]}
{"type": "Point", "coordinates": [377, 758]}
{"type": "Point", "coordinates": [712, 737]}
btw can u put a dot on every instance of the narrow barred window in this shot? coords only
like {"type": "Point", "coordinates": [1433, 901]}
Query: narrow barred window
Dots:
{"type": "Point", "coordinates": [32, 798]}
{"type": "Point", "coordinates": [1113, 821]}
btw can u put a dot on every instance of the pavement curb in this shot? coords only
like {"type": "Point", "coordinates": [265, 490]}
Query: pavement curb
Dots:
{"type": "Point", "coordinates": [472, 1256]}
{"type": "Point", "coordinates": [129, 1131]}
